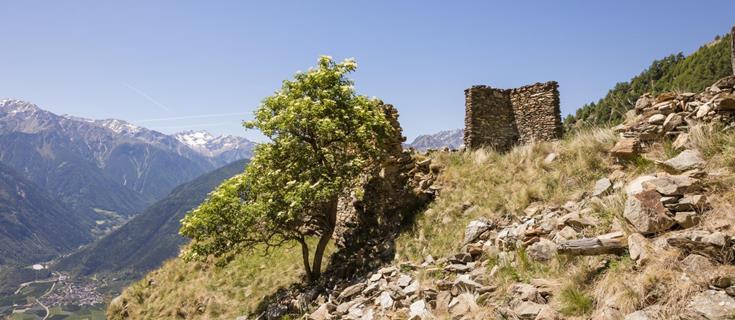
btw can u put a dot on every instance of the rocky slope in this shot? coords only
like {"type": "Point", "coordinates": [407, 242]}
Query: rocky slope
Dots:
{"type": "Point", "coordinates": [674, 234]}
{"type": "Point", "coordinates": [221, 149]}
{"type": "Point", "coordinates": [630, 223]}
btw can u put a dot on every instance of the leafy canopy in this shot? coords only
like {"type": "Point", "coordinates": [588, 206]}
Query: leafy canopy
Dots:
{"type": "Point", "coordinates": [323, 137]}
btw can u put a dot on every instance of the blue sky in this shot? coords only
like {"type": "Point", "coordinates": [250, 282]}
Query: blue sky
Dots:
{"type": "Point", "coordinates": [179, 65]}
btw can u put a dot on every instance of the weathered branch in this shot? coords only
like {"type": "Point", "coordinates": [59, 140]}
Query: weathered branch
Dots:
{"type": "Point", "coordinates": [591, 247]}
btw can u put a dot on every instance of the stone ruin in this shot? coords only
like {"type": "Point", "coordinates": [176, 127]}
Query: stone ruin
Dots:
{"type": "Point", "coordinates": [502, 118]}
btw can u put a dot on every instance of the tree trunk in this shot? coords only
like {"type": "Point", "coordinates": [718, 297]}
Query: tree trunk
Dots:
{"type": "Point", "coordinates": [331, 214]}
{"type": "Point", "coordinates": [305, 255]}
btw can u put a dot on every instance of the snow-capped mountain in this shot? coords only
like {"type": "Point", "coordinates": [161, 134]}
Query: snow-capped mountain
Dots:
{"type": "Point", "coordinates": [452, 139]}
{"type": "Point", "coordinates": [94, 164]}
{"type": "Point", "coordinates": [223, 149]}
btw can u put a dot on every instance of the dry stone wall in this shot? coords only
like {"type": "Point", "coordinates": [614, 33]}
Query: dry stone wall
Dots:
{"type": "Point", "coordinates": [501, 118]}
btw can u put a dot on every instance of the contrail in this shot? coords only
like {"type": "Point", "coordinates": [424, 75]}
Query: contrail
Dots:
{"type": "Point", "coordinates": [147, 97]}
{"type": "Point", "coordinates": [196, 125]}
{"type": "Point", "coordinates": [198, 116]}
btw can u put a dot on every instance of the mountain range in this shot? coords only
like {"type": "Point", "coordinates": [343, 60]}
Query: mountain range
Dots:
{"type": "Point", "coordinates": [91, 175]}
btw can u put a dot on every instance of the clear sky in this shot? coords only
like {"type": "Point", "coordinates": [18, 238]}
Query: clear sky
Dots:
{"type": "Point", "coordinates": [179, 65]}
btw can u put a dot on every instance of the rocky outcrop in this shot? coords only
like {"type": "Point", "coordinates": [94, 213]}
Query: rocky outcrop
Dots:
{"type": "Point", "coordinates": [670, 115]}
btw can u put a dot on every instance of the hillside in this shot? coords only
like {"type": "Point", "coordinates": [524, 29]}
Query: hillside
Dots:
{"type": "Point", "coordinates": [150, 238]}
{"type": "Point", "coordinates": [673, 73]}
{"type": "Point", "coordinates": [549, 230]}
{"type": "Point", "coordinates": [33, 226]}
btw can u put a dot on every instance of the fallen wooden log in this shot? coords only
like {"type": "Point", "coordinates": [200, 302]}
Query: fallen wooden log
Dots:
{"type": "Point", "coordinates": [592, 247]}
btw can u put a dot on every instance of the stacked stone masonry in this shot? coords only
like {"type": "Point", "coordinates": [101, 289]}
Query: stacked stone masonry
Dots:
{"type": "Point", "coordinates": [501, 118]}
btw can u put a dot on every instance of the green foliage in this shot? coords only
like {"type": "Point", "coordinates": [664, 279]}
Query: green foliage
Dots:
{"type": "Point", "coordinates": [673, 73]}
{"type": "Point", "coordinates": [324, 136]}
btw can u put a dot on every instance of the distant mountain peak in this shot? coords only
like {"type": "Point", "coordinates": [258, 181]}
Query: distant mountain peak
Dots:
{"type": "Point", "coordinates": [18, 106]}
{"type": "Point", "coordinates": [207, 144]}
{"type": "Point", "coordinates": [194, 138]}
{"type": "Point", "coordinates": [452, 139]}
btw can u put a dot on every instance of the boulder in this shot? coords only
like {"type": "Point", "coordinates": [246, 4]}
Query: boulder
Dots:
{"type": "Point", "coordinates": [725, 102]}
{"type": "Point", "coordinates": [475, 228]}
{"type": "Point", "coordinates": [696, 264]}
{"type": "Point", "coordinates": [639, 248]}
{"type": "Point", "coordinates": [602, 186]}
{"type": "Point", "coordinates": [626, 148]}
{"type": "Point", "coordinates": [649, 313]}
{"type": "Point", "coordinates": [418, 311]}
{"type": "Point", "coordinates": [703, 110]}
{"type": "Point", "coordinates": [528, 310]}
{"type": "Point", "coordinates": [672, 121]}
{"type": "Point", "coordinates": [543, 250]}
{"type": "Point", "coordinates": [404, 280]}
{"type": "Point", "coordinates": [686, 160]}
{"type": "Point", "coordinates": [712, 304]}
{"type": "Point", "coordinates": [687, 219]}
{"type": "Point", "coordinates": [656, 119]}
{"type": "Point", "coordinates": [464, 284]}
{"type": "Point", "coordinates": [672, 185]}
{"type": "Point", "coordinates": [527, 292]}
{"type": "Point", "coordinates": [385, 300]}
{"type": "Point", "coordinates": [411, 288]}
{"type": "Point", "coordinates": [692, 202]}
{"type": "Point", "coordinates": [321, 313]}
{"type": "Point", "coordinates": [681, 142]}
{"type": "Point", "coordinates": [351, 291]}
{"type": "Point", "coordinates": [646, 213]}
{"type": "Point", "coordinates": [443, 298]}
{"type": "Point", "coordinates": [458, 268]}
{"type": "Point", "coordinates": [463, 305]}
{"type": "Point", "coordinates": [644, 102]}
{"type": "Point", "coordinates": [636, 185]}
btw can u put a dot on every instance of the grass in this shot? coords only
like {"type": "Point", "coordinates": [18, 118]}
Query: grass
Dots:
{"type": "Point", "coordinates": [501, 186]}
{"type": "Point", "coordinates": [575, 302]}
{"type": "Point", "coordinates": [203, 290]}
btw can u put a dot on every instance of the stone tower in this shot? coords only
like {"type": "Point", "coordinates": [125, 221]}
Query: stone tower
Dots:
{"type": "Point", "coordinates": [501, 118]}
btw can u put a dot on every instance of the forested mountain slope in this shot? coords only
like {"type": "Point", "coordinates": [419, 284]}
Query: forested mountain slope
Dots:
{"type": "Point", "coordinates": [673, 73]}
{"type": "Point", "coordinates": [151, 237]}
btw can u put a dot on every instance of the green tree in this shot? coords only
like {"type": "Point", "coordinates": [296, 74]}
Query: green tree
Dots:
{"type": "Point", "coordinates": [323, 137]}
